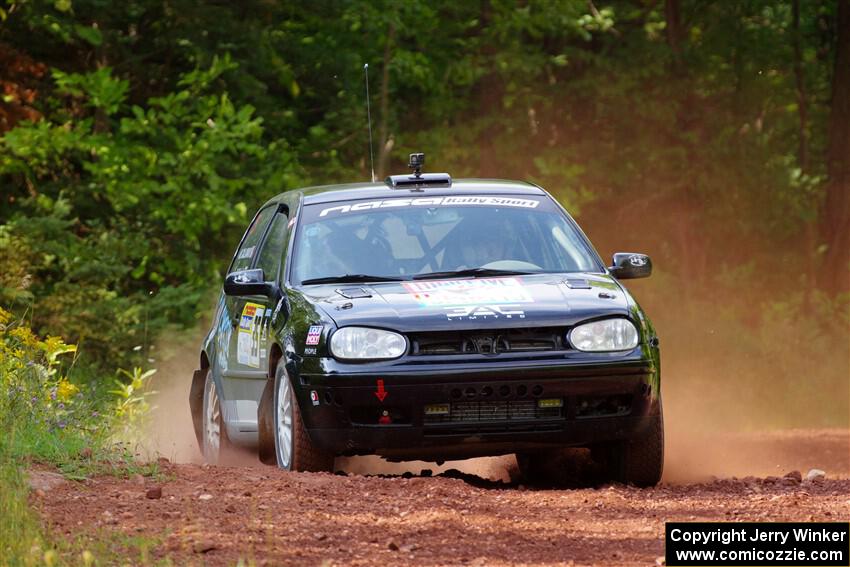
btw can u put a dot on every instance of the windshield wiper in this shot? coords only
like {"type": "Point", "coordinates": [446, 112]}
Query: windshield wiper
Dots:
{"type": "Point", "coordinates": [474, 272]}
{"type": "Point", "coordinates": [352, 278]}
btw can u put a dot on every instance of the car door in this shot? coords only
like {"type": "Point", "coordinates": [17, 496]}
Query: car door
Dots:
{"type": "Point", "coordinates": [271, 260]}
{"type": "Point", "coordinates": [248, 348]}
{"type": "Point", "coordinates": [238, 370]}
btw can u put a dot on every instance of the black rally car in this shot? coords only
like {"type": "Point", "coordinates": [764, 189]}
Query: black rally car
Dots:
{"type": "Point", "coordinates": [428, 318]}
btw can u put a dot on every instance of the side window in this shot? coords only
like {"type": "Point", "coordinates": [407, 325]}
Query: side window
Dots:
{"type": "Point", "coordinates": [245, 254]}
{"type": "Point", "coordinates": [271, 253]}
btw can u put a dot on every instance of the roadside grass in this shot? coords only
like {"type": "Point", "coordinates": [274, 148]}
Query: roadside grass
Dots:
{"type": "Point", "coordinates": [78, 459]}
{"type": "Point", "coordinates": [25, 541]}
{"type": "Point", "coordinates": [108, 547]}
{"type": "Point", "coordinates": [68, 421]}
{"type": "Point", "coordinates": [20, 531]}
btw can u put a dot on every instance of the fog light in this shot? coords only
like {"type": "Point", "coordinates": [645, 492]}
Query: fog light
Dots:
{"type": "Point", "coordinates": [437, 409]}
{"type": "Point", "coordinates": [551, 403]}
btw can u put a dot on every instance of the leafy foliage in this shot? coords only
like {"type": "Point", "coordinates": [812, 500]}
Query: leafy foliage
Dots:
{"type": "Point", "coordinates": [701, 138]}
{"type": "Point", "coordinates": [124, 216]}
{"type": "Point", "coordinates": [47, 415]}
{"type": "Point", "coordinates": [132, 405]}
{"type": "Point", "coordinates": [34, 392]}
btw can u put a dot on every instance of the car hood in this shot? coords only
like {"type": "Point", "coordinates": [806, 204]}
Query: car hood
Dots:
{"type": "Point", "coordinates": [472, 303]}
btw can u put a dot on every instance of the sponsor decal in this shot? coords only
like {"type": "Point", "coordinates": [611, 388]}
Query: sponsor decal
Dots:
{"type": "Point", "coordinates": [223, 334]}
{"type": "Point", "coordinates": [451, 201]}
{"type": "Point", "coordinates": [313, 335]}
{"type": "Point", "coordinates": [245, 253]}
{"type": "Point", "coordinates": [251, 335]}
{"type": "Point", "coordinates": [474, 298]}
{"type": "Point", "coordinates": [473, 312]}
{"type": "Point", "coordinates": [248, 314]}
{"type": "Point", "coordinates": [463, 293]}
{"type": "Point", "coordinates": [314, 397]}
{"type": "Point", "coordinates": [310, 351]}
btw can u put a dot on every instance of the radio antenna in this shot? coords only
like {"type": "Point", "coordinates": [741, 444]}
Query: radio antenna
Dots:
{"type": "Point", "coordinates": [369, 117]}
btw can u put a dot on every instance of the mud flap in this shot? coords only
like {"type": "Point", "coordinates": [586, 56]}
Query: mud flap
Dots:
{"type": "Point", "coordinates": [196, 404]}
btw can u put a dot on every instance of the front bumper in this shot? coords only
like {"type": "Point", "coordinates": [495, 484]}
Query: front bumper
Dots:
{"type": "Point", "coordinates": [494, 409]}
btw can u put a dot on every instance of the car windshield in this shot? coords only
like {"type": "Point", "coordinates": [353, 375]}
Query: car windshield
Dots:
{"type": "Point", "coordinates": [422, 237]}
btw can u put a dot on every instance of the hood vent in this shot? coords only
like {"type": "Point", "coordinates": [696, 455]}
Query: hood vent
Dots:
{"type": "Point", "coordinates": [353, 292]}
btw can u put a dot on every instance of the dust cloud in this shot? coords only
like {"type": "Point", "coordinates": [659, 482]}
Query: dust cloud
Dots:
{"type": "Point", "coordinates": [743, 395]}
{"type": "Point", "coordinates": [168, 431]}
{"type": "Point", "coordinates": [498, 469]}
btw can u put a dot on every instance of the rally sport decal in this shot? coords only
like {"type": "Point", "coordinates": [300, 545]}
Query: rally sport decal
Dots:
{"type": "Point", "coordinates": [434, 202]}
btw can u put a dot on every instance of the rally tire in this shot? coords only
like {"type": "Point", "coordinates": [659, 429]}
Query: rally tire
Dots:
{"type": "Point", "coordinates": [537, 468]}
{"type": "Point", "coordinates": [641, 459]}
{"type": "Point", "coordinates": [294, 450]}
{"type": "Point", "coordinates": [215, 446]}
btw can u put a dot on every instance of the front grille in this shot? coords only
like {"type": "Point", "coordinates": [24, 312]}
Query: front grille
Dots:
{"type": "Point", "coordinates": [514, 410]}
{"type": "Point", "coordinates": [488, 342]}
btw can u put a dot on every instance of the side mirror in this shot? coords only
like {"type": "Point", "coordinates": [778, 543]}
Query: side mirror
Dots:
{"type": "Point", "coordinates": [628, 265]}
{"type": "Point", "coordinates": [249, 282]}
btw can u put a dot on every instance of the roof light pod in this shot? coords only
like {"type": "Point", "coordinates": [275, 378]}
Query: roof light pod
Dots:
{"type": "Point", "coordinates": [418, 179]}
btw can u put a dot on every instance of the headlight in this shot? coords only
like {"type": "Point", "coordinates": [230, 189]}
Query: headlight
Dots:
{"type": "Point", "coordinates": [606, 335]}
{"type": "Point", "coordinates": [361, 343]}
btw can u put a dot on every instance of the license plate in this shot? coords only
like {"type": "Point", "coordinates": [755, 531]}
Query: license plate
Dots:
{"type": "Point", "coordinates": [437, 409]}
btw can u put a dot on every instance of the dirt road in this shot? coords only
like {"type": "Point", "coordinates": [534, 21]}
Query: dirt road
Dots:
{"type": "Point", "coordinates": [217, 515]}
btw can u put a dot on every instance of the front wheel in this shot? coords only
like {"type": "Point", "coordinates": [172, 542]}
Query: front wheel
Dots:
{"type": "Point", "coordinates": [639, 460]}
{"type": "Point", "coordinates": [536, 468]}
{"type": "Point", "coordinates": [293, 449]}
{"type": "Point", "coordinates": [643, 455]}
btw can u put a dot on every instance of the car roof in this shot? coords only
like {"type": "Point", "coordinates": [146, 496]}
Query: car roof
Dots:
{"type": "Point", "coordinates": [354, 191]}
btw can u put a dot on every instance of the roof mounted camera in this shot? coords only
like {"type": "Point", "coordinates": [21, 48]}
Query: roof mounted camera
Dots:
{"type": "Point", "coordinates": [416, 162]}
{"type": "Point", "coordinates": [418, 180]}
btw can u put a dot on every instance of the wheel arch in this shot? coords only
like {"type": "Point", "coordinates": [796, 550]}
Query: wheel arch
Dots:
{"type": "Point", "coordinates": [275, 354]}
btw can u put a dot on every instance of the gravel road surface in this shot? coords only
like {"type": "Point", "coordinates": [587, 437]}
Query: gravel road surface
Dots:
{"type": "Point", "coordinates": [205, 515]}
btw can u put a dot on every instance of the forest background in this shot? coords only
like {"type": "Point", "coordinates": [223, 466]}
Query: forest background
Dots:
{"type": "Point", "coordinates": [138, 138]}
